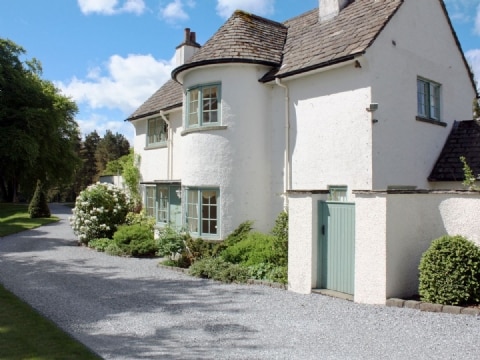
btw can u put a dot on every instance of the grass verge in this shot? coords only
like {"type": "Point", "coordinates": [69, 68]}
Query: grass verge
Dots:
{"type": "Point", "coordinates": [15, 218]}
{"type": "Point", "coordinates": [25, 334]}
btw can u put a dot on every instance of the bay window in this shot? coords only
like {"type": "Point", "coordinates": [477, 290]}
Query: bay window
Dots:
{"type": "Point", "coordinates": [203, 106]}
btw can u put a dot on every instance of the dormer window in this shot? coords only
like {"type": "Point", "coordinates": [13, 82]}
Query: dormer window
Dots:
{"type": "Point", "coordinates": [203, 106]}
{"type": "Point", "coordinates": [157, 132]}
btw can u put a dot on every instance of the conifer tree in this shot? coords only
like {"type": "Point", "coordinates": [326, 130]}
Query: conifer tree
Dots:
{"type": "Point", "coordinates": [38, 207]}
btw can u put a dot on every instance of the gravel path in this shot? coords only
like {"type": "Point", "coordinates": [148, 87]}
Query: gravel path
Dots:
{"type": "Point", "coordinates": [131, 309]}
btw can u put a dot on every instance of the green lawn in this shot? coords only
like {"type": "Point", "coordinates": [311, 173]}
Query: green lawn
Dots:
{"type": "Point", "coordinates": [15, 218]}
{"type": "Point", "coordinates": [25, 334]}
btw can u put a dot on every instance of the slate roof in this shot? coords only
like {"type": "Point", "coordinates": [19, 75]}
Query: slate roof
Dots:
{"type": "Point", "coordinates": [168, 97]}
{"type": "Point", "coordinates": [464, 140]}
{"type": "Point", "coordinates": [243, 38]}
{"type": "Point", "coordinates": [313, 44]}
{"type": "Point", "coordinates": [298, 45]}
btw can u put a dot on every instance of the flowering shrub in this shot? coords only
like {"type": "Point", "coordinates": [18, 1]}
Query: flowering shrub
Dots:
{"type": "Point", "coordinates": [99, 210]}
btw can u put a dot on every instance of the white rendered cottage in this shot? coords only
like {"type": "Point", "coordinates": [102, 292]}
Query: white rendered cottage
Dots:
{"type": "Point", "coordinates": [300, 115]}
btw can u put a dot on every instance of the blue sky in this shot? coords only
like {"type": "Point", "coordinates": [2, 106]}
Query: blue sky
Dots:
{"type": "Point", "coordinates": [111, 55]}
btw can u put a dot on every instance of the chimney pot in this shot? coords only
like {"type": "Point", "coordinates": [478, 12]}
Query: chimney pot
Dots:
{"type": "Point", "coordinates": [187, 49]}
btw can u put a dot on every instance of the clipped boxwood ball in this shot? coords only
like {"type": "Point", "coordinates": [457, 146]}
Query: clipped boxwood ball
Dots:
{"type": "Point", "coordinates": [450, 272]}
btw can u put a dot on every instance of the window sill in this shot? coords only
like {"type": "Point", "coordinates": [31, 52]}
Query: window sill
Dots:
{"type": "Point", "coordinates": [203, 128]}
{"type": "Point", "coordinates": [212, 238]}
{"type": "Point", "coordinates": [431, 121]}
{"type": "Point", "coordinates": [156, 146]}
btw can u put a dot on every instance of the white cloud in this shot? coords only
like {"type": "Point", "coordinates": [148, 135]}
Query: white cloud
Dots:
{"type": "Point", "coordinates": [102, 123]}
{"type": "Point", "coordinates": [134, 6]}
{"type": "Point", "coordinates": [473, 57]}
{"type": "Point", "coordinates": [111, 7]}
{"type": "Point", "coordinates": [225, 8]}
{"type": "Point", "coordinates": [175, 11]}
{"type": "Point", "coordinates": [128, 83]}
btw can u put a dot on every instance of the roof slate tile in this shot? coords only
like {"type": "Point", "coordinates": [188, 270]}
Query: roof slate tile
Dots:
{"type": "Point", "coordinates": [464, 140]}
{"type": "Point", "coordinates": [298, 45]}
{"type": "Point", "coordinates": [169, 96]}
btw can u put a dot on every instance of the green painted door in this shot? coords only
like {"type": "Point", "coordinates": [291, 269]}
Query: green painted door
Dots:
{"type": "Point", "coordinates": [175, 208]}
{"type": "Point", "coordinates": [336, 246]}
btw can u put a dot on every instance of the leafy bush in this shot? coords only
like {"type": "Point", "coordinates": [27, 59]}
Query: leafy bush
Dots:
{"type": "Point", "coordinates": [115, 250]}
{"type": "Point", "coordinates": [196, 249]}
{"type": "Point", "coordinates": [99, 210]}
{"type": "Point", "coordinates": [100, 244]}
{"type": "Point", "coordinates": [171, 242]}
{"type": "Point", "coordinates": [269, 272]}
{"type": "Point", "coordinates": [237, 235]}
{"type": "Point", "coordinates": [141, 218]}
{"type": "Point", "coordinates": [135, 240]}
{"type": "Point", "coordinates": [450, 272]}
{"type": "Point", "coordinates": [38, 207]}
{"type": "Point", "coordinates": [219, 269]}
{"type": "Point", "coordinates": [278, 274]}
{"type": "Point", "coordinates": [256, 248]}
{"type": "Point", "coordinates": [169, 262]}
{"type": "Point", "coordinates": [280, 232]}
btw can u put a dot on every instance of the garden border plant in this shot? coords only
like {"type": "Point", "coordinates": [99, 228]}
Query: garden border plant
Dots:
{"type": "Point", "coordinates": [98, 211]}
{"type": "Point", "coordinates": [450, 272]}
{"type": "Point", "coordinates": [248, 255]}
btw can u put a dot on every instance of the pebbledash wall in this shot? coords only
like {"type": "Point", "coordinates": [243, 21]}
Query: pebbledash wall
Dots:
{"type": "Point", "coordinates": [405, 149]}
{"type": "Point", "coordinates": [235, 156]}
{"type": "Point", "coordinates": [393, 230]}
{"type": "Point", "coordinates": [154, 161]}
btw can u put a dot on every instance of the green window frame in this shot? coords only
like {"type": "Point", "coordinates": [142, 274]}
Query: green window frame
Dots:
{"type": "Point", "coordinates": [150, 194]}
{"type": "Point", "coordinates": [162, 202]}
{"type": "Point", "coordinates": [157, 203]}
{"type": "Point", "coordinates": [428, 99]}
{"type": "Point", "coordinates": [202, 211]}
{"type": "Point", "coordinates": [203, 106]}
{"type": "Point", "coordinates": [157, 132]}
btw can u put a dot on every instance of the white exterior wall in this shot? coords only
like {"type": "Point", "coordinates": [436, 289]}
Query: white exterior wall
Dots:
{"type": "Point", "coordinates": [302, 247]}
{"type": "Point", "coordinates": [154, 161]}
{"type": "Point", "coordinates": [236, 159]}
{"type": "Point", "coordinates": [394, 230]}
{"type": "Point", "coordinates": [331, 132]}
{"type": "Point", "coordinates": [417, 42]}
{"type": "Point", "coordinates": [370, 249]}
{"type": "Point", "coordinates": [411, 232]}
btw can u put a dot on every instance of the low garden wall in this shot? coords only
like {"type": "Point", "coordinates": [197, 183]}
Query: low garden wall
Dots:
{"type": "Point", "coordinates": [393, 229]}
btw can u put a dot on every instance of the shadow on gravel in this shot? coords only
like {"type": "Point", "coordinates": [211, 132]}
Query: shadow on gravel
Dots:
{"type": "Point", "coordinates": [94, 298]}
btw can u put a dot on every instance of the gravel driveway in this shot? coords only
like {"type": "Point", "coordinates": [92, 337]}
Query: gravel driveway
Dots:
{"type": "Point", "coordinates": [131, 309]}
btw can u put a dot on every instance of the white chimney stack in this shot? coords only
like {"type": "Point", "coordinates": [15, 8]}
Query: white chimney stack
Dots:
{"type": "Point", "coordinates": [331, 8]}
{"type": "Point", "coordinates": [187, 49]}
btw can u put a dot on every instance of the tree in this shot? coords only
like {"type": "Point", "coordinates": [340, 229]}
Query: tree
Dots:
{"type": "Point", "coordinates": [89, 172]}
{"type": "Point", "coordinates": [127, 166]}
{"type": "Point", "coordinates": [37, 127]}
{"type": "Point", "coordinates": [110, 147]}
{"type": "Point", "coordinates": [38, 207]}
{"type": "Point", "coordinates": [476, 109]}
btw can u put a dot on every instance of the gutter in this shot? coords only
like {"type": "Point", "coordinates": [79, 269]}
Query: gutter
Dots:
{"type": "Point", "coordinates": [287, 167]}
{"type": "Point", "coordinates": [169, 145]}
